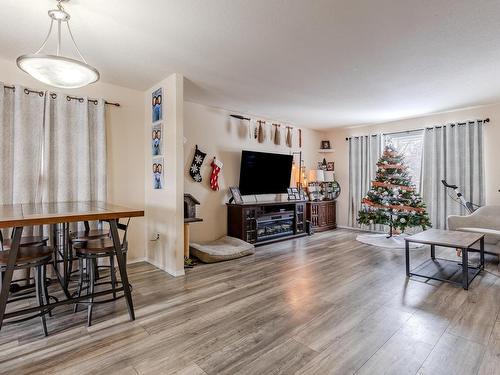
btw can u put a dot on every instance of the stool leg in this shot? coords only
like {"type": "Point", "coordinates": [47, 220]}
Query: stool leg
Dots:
{"type": "Point", "coordinates": [113, 274]}
{"type": "Point", "coordinates": [70, 263]}
{"type": "Point", "coordinates": [96, 269]}
{"type": "Point", "coordinates": [80, 282]}
{"type": "Point", "coordinates": [38, 288]}
{"type": "Point", "coordinates": [45, 288]}
{"type": "Point", "coordinates": [91, 291]}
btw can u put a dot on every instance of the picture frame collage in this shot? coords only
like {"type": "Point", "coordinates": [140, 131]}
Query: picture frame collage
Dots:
{"type": "Point", "coordinates": [157, 139]}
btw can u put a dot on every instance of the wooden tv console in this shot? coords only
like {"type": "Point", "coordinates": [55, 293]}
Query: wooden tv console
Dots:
{"type": "Point", "coordinates": [266, 222]}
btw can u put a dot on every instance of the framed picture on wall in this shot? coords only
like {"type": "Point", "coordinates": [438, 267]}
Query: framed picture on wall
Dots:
{"type": "Point", "coordinates": [157, 105]}
{"type": "Point", "coordinates": [157, 140]}
{"type": "Point", "coordinates": [158, 173]}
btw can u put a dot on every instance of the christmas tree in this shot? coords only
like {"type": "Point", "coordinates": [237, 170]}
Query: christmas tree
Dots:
{"type": "Point", "coordinates": [392, 200]}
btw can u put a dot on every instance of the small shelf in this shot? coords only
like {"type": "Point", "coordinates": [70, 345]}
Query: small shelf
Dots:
{"type": "Point", "coordinates": [326, 150]}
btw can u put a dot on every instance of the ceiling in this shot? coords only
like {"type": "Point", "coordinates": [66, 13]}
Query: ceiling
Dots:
{"type": "Point", "coordinates": [315, 63]}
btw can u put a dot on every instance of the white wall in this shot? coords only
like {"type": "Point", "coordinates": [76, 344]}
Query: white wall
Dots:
{"type": "Point", "coordinates": [219, 135]}
{"type": "Point", "coordinates": [125, 148]}
{"type": "Point", "coordinates": [491, 147]}
{"type": "Point", "coordinates": [164, 207]}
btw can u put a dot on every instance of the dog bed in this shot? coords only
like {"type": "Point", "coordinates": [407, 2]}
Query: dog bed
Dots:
{"type": "Point", "coordinates": [224, 248]}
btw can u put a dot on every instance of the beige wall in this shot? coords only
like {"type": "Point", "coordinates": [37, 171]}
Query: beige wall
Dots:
{"type": "Point", "coordinates": [164, 207]}
{"type": "Point", "coordinates": [223, 137]}
{"type": "Point", "coordinates": [125, 149]}
{"type": "Point", "coordinates": [491, 146]}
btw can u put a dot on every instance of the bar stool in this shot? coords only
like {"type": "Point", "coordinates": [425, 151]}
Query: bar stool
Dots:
{"type": "Point", "coordinates": [26, 241]}
{"type": "Point", "coordinates": [89, 252]}
{"type": "Point", "coordinates": [86, 235]}
{"type": "Point", "coordinates": [89, 234]}
{"type": "Point", "coordinates": [36, 257]}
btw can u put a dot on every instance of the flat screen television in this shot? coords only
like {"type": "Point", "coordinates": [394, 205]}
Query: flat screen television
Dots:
{"type": "Point", "coordinates": [264, 173]}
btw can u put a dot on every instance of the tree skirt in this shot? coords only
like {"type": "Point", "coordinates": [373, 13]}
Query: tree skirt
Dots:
{"type": "Point", "coordinates": [381, 240]}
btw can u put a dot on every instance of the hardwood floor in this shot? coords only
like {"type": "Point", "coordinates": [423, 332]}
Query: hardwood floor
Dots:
{"type": "Point", "coordinates": [324, 304]}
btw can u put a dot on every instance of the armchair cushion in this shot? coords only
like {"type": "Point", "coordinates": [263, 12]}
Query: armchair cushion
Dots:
{"type": "Point", "coordinates": [484, 220]}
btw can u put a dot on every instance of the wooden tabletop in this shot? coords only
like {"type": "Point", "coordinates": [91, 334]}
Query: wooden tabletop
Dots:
{"type": "Point", "coordinates": [448, 238]}
{"type": "Point", "coordinates": [26, 214]}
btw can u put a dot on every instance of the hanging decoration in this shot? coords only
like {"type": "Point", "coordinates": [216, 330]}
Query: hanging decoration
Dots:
{"type": "Point", "coordinates": [277, 134]}
{"type": "Point", "coordinates": [239, 117]}
{"type": "Point", "coordinates": [57, 70]}
{"type": "Point", "coordinates": [195, 169]}
{"type": "Point", "coordinates": [260, 131]}
{"type": "Point", "coordinates": [289, 136]}
{"type": "Point", "coordinates": [392, 200]}
{"type": "Point", "coordinates": [300, 138]}
{"type": "Point", "coordinates": [214, 176]}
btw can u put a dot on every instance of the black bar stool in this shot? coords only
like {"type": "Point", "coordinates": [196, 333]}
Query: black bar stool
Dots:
{"type": "Point", "coordinates": [26, 241]}
{"type": "Point", "coordinates": [88, 234]}
{"type": "Point", "coordinates": [36, 257]}
{"type": "Point", "coordinates": [89, 252]}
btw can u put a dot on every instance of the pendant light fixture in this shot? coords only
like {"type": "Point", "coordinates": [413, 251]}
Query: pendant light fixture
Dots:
{"type": "Point", "coordinates": [57, 70]}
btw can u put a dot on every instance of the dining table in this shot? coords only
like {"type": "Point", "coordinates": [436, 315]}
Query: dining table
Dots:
{"type": "Point", "coordinates": [19, 216]}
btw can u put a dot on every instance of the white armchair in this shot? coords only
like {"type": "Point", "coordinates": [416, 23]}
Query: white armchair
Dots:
{"type": "Point", "coordinates": [484, 220]}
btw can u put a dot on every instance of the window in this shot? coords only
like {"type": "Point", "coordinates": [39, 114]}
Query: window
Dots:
{"type": "Point", "coordinates": [410, 144]}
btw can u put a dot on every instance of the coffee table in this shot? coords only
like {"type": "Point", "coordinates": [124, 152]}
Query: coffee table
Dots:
{"type": "Point", "coordinates": [445, 269]}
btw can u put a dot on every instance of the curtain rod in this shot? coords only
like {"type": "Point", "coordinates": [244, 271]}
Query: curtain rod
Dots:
{"type": "Point", "coordinates": [68, 97]}
{"type": "Point", "coordinates": [427, 128]}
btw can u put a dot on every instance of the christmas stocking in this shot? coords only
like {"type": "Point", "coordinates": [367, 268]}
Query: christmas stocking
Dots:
{"type": "Point", "coordinates": [214, 177]}
{"type": "Point", "coordinates": [195, 169]}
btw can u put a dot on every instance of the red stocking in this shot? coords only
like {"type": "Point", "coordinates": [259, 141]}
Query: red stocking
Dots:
{"type": "Point", "coordinates": [214, 176]}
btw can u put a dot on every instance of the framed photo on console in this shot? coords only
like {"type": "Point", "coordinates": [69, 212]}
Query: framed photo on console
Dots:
{"type": "Point", "coordinates": [294, 194]}
{"type": "Point", "coordinates": [235, 192]}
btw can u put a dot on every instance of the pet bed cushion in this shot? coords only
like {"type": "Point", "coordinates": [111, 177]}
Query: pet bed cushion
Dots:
{"type": "Point", "coordinates": [224, 248]}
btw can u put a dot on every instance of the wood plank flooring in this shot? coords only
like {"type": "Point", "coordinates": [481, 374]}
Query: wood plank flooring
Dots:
{"type": "Point", "coordinates": [324, 304]}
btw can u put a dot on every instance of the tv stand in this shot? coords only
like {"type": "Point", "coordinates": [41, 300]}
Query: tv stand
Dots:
{"type": "Point", "coordinates": [261, 223]}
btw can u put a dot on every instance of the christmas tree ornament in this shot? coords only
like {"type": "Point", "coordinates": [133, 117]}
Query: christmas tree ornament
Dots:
{"type": "Point", "coordinates": [214, 176]}
{"type": "Point", "coordinates": [195, 169]}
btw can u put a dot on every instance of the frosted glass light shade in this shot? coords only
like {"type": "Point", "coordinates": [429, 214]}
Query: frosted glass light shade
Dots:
{"type": "Point", "coordinates": [58, 71]}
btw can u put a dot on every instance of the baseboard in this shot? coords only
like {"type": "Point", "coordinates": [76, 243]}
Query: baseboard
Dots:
{"type": "Point", "coordinates": [174, 273]}
{"type": "Point", "coordinates": [137, 260]}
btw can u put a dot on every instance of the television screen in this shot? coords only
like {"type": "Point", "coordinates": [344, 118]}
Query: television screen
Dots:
{"type": "Point", "coordinates": [264, 173]}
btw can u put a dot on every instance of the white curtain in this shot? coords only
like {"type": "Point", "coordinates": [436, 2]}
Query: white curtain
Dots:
{"type": "Point", "coordinates": [454, 153]}
{"type": "Point", "coordinates": [52, 149]}
{"type": "Point", "coordinates": [74, 160]}
{"type": "Point", "coordinates": [21, 134]}
{"type": "Point", "coordinates": [364, 153]}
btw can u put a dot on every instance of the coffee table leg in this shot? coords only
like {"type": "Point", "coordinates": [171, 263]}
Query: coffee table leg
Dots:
{"type": "Point", "coordinates": [433, 252]}
{"type": "Point", "coordinates": [465, 269]}
{"type": "Point", "coordinates": [481, 252]}
{"type": "Point", "coordinates": [407, 256]}
{"type": "Point", "coordinates": [122, 266]}
{"type": "Point", "coordinates": [4, 294]}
